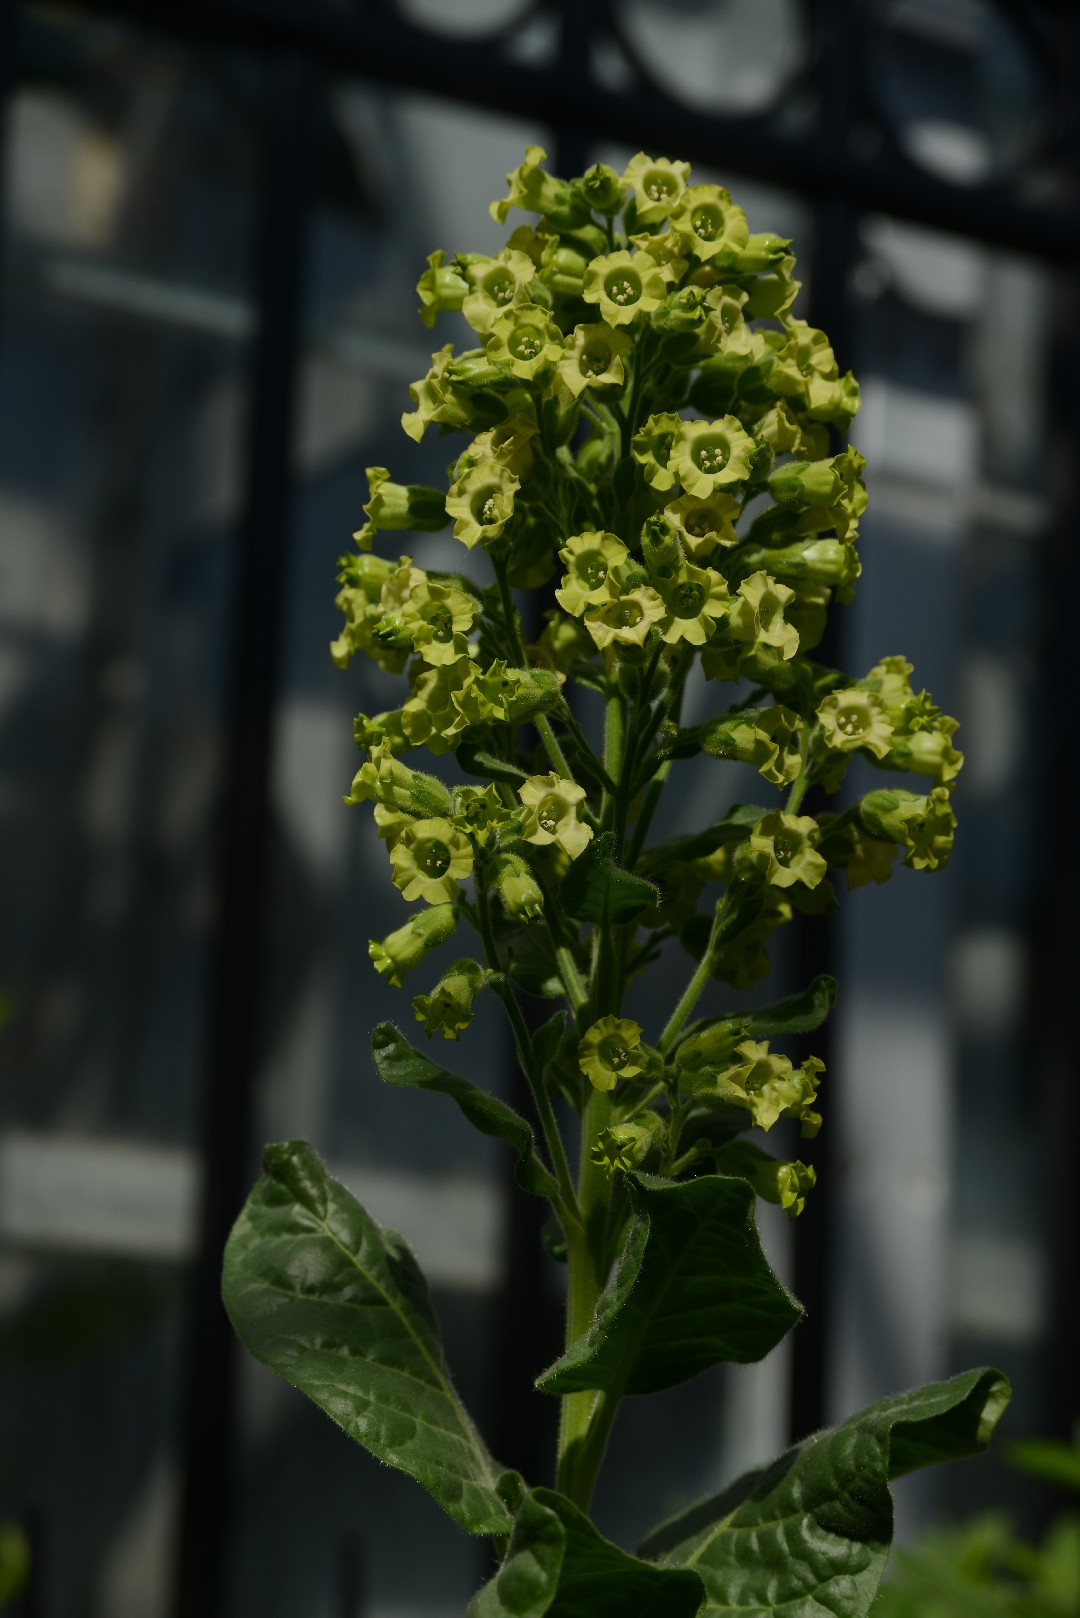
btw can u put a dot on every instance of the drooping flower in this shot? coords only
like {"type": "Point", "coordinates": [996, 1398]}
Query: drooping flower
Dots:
{"type": "Point", "coordinates": [533, 189]}
{"type": "Point", "coordinates": [430, 858]}
{"type": "Point", "coordinates": [609, 1051]}
{"type": "Point", "coordinates": [552, 813]}
{"type": "Point", "coordinates": [400, 951]}
{"type": "Point", "coordinates": [399, 506]}
{"type": "Point", "coordinates": [448, 1009]}
{"type": "Point", "coordinates": [651, 448]}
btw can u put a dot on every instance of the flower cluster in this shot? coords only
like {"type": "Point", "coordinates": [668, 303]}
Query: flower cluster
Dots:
{"type": "Point", "coordinates": [652, 434]}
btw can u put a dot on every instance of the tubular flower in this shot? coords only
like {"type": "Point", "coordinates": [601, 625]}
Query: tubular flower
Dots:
{"type": "Point", "coordinates": [592, 357]}
{"type": "Point", "coordinates": [658, 186]}
{"type": "Point", "coordinates": [854, 719]}
{"type": "Point", "coordinates": [651, 448]}
{"type": "Point", "coordinates": [624, 285]}
{"type": "Point", "coordinates": [928, 752]}
{"type": "Point", "coordinates": [480, 811]}
{"type": "Point", "coordinates": [384, 779]}
{"type": "Point", "coordinates": [430, 858]}
{"type": "Point", "coordinates": [694, 600]}
{"type": "Point", "coordinates": [508, 442]}
{"type": "Point", "coordinates": [627, 1146]}
{"type": "Point", "coordinates": [399, 505]}
{"type": "Point", "coordinates": [482, 503]}
{"type": "Point", "coordinates": [495, 285]}
{"type": "Point", "coordinates": [449, 1007]}
{"type": "Point", "coordinates": [711, 455]}
{"type": "Point", "coordinates": [589, 559]}
{"type": "Point", "coordinates": [442, 286]}
{"type": "Point", "coordinates": [768, 1086]}
{"type": "Point", "coordinates": [806, 369]}
{"type": "Point", "coordinates": [437, 398]}
{"type": "Point", "coordinates": [768, 738]}
{"type": "Point", "coordinates": [781, 850]}
{"type": "Point", "coordinates": [551, 805]}
{"type": "Point", "coordinates": [518, 891]}
{"type": "Point", "coordinates": [705, 524]}
{"type": "Point", "coordinates": [609, 1051]}
{"type": "Point", "coordinates": [923, 825]}
{"type": "Point", "coordinates": [709, 222]}
{"type": "Point", "coordinates": [626, 619]}
{"type": "Point", "coordinates": [429, 716]}
{"type": "Point", "coordinates": [526, 340]}
{"type": "Point", "coordinates": [536, 191]}
{"type": "Point", "coordinates": [437, 617]}
{"type": "Point", "coordinates": [757, 615]}
{"type": "Point", "coordinates": [400, 951]}
{"type": "Point", "coordinates": [785, 1184]}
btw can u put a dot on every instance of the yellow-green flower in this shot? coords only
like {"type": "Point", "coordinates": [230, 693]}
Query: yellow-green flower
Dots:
{"type": "Point", "coordinates": [710, 222]}
{"type": "Point", "coordinates": [482, 503]}
{"type": "Point", "coordinates": [924, 826]}
{"type": "Point", "coordinates": [592, 358]}
{"type": "Point", "coordinates": [628, 1146]}
{"type": "Point", "coordinates": [651, 448]}
{"type": "Point", "coordinates": [399, 505]}
{"type": "Point", "coordinates": [667, 252]}
{"type": "Point", "coordinates": [757, 615]}
{"type": "Point", "coordinates": [536, 191]}
{"type": "Point", "coordinates": [400, 951]}
{"type": "Point", "coordinates": [609, 1051]}
{"type": "Point", "coordinates": [781, 848]}
{"type": "Point", "coordinates": [495, 285]}
{"type": "Point", "coordinates": [625, 619]}
{"type": "Point", "coordinates": [449, 1007]}
{"type": "Point", "coordinates": [768, 738]}
{"type": "Point", "coordinates": [384, 779]}
{"type": "Point", "coordinates": [589, 559]}
{"type": "Point", "coordinates": [928, 752]}
{"type": "Point", "coordinates": [705, 524]}
{"type": "Point", "coordinates": [526, 340]}
{"type": "Point", "coordinates": [852, 719]}
{"type": "Point", "coordinates": [711, 455]}
{"type": "Point", "coordinates": [430, 858]}
{"type": "Point", "coordinates": [442, 286]}
{"type": "Point", "coordinates": [508, 442]}
{"type": "Point", "coordinates": [693, 601]}
{"type": "Point", "coordinates": [518, 891]}
{"type": "Point", "coordinates": [480, 811]}
{"type": "Point", "coordinates": [767, 1085]}
{"type": "Point", "coordinates": [437, 617]}
{"type": "Point", "coordinates": [437, 398]}
{"type": "Point", "coordinates": [429, 717]}
{"type": "Point", "coordinates": [552, 805]}
{"type": "Point", "coordinates": [658, 186]}
{"type": "Point", "coordinates": [624, 285]}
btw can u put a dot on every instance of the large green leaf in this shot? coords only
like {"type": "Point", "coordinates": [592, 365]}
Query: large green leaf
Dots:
{"type": "Point", "coordinates": [596, 889]}
{"type": "Point", "coordinates": [795, 1014]}
{"type": "Point", "coordinates": [810, 1534]}
{"type": "Point", "coordinates": [338, 1306]}
{"type": "Point", "coordinates": [691, 1289]}
{"type": "Point", "coordinates": [398, 1062]}
{"type": "Point", "coordinates": [558, 1566]}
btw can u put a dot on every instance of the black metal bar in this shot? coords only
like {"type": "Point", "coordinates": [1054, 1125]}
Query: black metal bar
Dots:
{"type": "Point", "coordinates": [833, 252]}
{"type": "Point", "coordinates": [373, 44]}
{"type": "Point", "coordinates": [244, 831]}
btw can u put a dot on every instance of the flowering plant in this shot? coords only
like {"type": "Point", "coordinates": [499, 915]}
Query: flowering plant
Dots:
{"type": "Point", "coordinates": [648, 435]}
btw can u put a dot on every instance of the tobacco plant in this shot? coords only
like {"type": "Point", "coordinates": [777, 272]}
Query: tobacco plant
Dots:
{"type": "Point", "coordinates": [649, 472]}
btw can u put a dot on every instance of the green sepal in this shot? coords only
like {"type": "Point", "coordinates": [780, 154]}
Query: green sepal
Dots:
{"type": "Point", "coordinates": [398, 1062]}
{"type": "Point", "coordinates": [810, 1533]}
{"type": "Point", "coordinates": [338, 1306]}
{"type": "Point", "coordinates": [692, 1289]}
{"type": "Point", "coordinates": [558, 1566]}
{"type": "Point", "coordinates": [596, 889]}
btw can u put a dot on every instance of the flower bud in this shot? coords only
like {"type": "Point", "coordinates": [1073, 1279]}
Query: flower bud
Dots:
{"type": "Point", "coordinates": [399, 505]}
{"type": "Point", "coordinates": [516, 888]}
{"type": "Point", "coordinates": [386, 780]}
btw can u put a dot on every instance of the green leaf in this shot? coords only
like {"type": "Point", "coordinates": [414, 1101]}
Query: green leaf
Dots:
{"type": "Point", "coordinates": [400, 1063]}
{"type": "Point", "coordinates": [558, 1566]}
{"type": "Point", "coordinates": [692, 1288]}
{"type": "Point", "coordinates": [596, 889]}
{"type": "Point", "coordinates": [528, 957]}
{"type": "Point", "coordinates": [739, 821]}
{"type": "Point", "coordinates": [796, 1014]}
{"type": "Point", "coordinates": [811, 1532]}
{"type": "Point", "coordinates": [547, 1039]}
{"type": "Point", "coordinates": [337, 1306]}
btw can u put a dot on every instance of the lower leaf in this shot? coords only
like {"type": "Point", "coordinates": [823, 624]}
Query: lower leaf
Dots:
{"type": "Point", "coordinates": [338, 1306]}
{"type": "Point", "coordinates": [559, 1566]}
{"type": "Point", "coordinates": [811, 1533]}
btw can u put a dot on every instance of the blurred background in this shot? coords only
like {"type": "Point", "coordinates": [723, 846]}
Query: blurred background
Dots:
{"type": "Point", "coordinates": [212, 219]}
